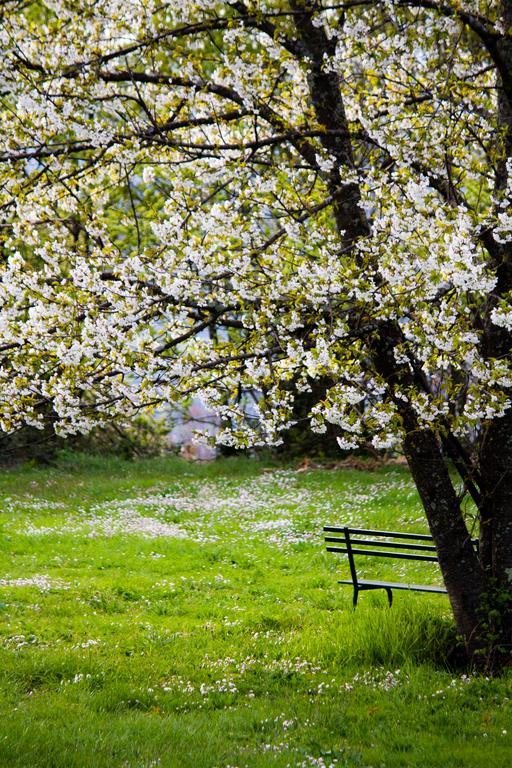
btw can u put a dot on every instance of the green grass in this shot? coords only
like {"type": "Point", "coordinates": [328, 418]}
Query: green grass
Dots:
{"type": "Point", "coordinates": [164, 614]}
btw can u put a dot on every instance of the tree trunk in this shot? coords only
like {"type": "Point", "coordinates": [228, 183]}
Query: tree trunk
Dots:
{"type": "Point", "coordinates": [478, 589]}
{"type": "Point", "coordinates": [479, 586]}
{"type": "Point", "coordinates": [462, 574]}
{"type": "Point", "coordinates": [495, 450]}
{"type": "Point", "coordinates": [496, 531]}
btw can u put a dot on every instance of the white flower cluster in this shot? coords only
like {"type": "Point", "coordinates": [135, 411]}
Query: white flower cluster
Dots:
{"type": "Point", "coordinates": [175, 219]}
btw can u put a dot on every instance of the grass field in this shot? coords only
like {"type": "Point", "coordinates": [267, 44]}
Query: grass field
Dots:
{"type": "Point", "coordinates": [158, 614]}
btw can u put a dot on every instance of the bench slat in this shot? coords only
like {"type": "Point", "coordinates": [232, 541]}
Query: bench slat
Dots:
{"type": "Point", "coordinates": [389, 534]}
{"type": "Point", "coordinates": [378, 553]}
{"type": "Point", "coordinates": [396, 585]}
{"type": "Point", "coordinates": [391, 544]}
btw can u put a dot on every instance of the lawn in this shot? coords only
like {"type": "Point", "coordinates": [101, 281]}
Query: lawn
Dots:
{"type": "Point", "coordinates": [159, 613]}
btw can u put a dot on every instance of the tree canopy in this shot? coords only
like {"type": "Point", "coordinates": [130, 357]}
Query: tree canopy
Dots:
{"type": "Point", "coordinates": [304, 177]}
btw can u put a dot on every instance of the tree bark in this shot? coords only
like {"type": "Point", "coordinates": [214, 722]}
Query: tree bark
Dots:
{"type": "Point", "coordinates": [462, 574]}
{"type": "Point", "coordinates": [496, 527]}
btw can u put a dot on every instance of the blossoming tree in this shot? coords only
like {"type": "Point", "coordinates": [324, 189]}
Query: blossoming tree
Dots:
{"type": "Point", "coordinates": [283, 196]}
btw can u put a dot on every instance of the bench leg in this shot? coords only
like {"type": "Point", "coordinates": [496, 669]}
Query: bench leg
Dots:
{"type": "Point", "coordinates": [355, 596]}
{"type": "Point", "coordinates": [390, 596]}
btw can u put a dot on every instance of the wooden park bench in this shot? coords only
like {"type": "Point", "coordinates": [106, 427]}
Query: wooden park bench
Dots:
{"type": "Point", "coordinates": [402, 546]}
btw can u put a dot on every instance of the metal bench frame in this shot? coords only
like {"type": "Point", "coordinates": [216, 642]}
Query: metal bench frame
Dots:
{"type": "Point", "coordinates": [346, 542]}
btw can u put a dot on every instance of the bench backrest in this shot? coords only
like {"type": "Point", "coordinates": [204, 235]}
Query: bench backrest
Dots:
{"type": "Point", "coordinates": [362, 541]}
